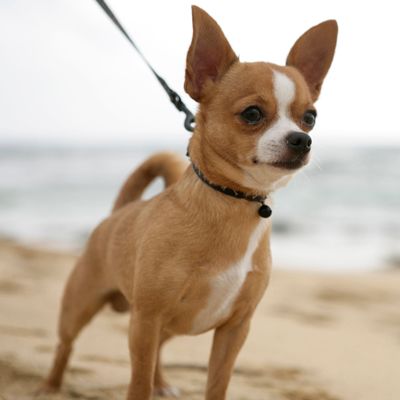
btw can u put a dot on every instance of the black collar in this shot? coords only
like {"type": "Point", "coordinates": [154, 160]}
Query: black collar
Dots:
{"type": "Point", "coordinates": [264, 211]}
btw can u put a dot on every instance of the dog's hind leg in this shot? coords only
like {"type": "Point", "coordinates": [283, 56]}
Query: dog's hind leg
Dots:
{"type": "Point", "coordinates": [161, 387]}
{"type": "Point", "coordinates": [84, 295]}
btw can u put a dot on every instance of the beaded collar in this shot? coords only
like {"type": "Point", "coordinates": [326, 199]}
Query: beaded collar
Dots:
{"type": "Point", "coordinates": [264, 211]}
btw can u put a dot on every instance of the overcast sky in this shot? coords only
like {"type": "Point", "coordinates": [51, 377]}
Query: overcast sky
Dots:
{"type": "Point", "coordinates": [68, 76]}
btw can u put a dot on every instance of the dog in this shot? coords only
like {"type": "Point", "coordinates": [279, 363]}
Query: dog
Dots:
{"type": "Point", "coordinates": [196, 257]}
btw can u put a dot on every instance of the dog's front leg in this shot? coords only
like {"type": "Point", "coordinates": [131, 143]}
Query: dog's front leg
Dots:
{"type": "Point", "coordinates": [228, 341]}
{"type": "Point", "coordinates": [144, 336]}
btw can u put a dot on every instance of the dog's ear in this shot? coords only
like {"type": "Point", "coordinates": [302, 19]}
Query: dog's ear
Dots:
{"type": "Point", "coordinates": [312, 54]}
{"type": "Point", "coordinates": [209, 56]}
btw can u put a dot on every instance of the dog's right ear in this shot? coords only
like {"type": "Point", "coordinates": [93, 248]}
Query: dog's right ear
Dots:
{"type": "Point", "coordinates": [209, 56]}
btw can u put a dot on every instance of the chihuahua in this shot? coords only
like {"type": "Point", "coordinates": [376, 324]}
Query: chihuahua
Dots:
{"type": "Point", "coordinates": [196, 257]}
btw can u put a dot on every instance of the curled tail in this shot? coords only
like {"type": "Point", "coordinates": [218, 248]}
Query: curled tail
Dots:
{"type": "Point", "coordinates": [167, 165]}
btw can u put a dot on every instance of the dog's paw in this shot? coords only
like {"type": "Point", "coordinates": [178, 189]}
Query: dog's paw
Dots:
{"type": "Point", "coordinates": [166, 391]}
{"type": "Point", "coordinates": [46, 389]}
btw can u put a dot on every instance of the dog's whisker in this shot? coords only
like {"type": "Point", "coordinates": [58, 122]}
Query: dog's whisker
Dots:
{"type": "Point", "coordinates": [316, 162]}
{"type": "Point", "coordinates": [304, 173]}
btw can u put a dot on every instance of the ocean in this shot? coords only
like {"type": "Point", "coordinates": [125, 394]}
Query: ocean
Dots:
{"type": "Point", "coordinates": [341, 213]}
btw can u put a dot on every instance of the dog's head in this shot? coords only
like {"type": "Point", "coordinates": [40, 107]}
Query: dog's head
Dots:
{"type": "Point", "coordinates": [256, 117]}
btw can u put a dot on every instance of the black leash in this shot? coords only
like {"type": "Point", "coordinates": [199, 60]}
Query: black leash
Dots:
{"type": "Point", "coordinates": [173, 96]}
{"type": "Point", "coordinates": [264, 211]}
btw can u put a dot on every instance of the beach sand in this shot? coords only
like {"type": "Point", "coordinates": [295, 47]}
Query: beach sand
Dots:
{"type": "Point", "coordinates": [315, 336]}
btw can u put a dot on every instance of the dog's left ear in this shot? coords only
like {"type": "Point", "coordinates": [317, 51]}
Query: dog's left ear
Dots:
{"type": "Point", "coordinates": [312, 54]}
{"type": "Point", "coordinates": [209, 56]}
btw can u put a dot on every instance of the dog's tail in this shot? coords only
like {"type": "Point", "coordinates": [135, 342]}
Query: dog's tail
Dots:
{"type": "Point", "coordinates": [169, 166]}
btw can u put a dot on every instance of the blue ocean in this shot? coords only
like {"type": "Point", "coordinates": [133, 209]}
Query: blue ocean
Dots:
{"type": "Point", "coordinates": [340, 213]}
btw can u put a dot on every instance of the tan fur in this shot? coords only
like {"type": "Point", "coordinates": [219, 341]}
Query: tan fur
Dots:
{"type": "Point", "coordinates": [160, 257]}
{"type": "Point", "coordinates": [166, 165]}
{"type": "Point", "coordinates": [312, 54]}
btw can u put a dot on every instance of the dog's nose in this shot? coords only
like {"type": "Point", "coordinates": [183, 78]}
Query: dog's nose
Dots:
{"type": "Point", "coordinates": [299, 142]}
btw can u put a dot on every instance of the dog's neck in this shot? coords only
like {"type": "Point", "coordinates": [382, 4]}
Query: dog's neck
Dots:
{"type": "Point", "coordinates": [195, 191]}
{"type": "Point", "coordinates": [217, 168]}
{"type": "Point", "coordinates": [202, 201]}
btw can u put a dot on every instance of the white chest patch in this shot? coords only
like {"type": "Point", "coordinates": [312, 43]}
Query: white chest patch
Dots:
{"type": "Point", "coordinates": [226, 286]}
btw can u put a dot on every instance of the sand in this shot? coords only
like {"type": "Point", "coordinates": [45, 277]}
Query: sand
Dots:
{"type": "Point", "coordinates": [315, 336]}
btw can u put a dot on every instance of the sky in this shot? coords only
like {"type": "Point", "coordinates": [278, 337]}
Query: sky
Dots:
{"type": "Point", "coordinates": [67, 75]}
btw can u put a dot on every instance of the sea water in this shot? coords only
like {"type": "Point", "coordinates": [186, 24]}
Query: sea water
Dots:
{"type": "Point", "coordinates": [342, 212]}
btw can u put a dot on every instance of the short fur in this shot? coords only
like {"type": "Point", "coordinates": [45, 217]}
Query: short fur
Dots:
{"type": "Point", "coordinates": [192, 259]}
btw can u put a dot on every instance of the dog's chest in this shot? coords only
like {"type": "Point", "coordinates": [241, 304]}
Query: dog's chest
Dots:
{"type": "Point", "coordinates": [226, 286]}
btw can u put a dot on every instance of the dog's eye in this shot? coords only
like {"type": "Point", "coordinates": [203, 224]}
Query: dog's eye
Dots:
{"type": "Point", "coordinates": [309, 118]}
{"type": "Point", "coordinates": [252, 115]}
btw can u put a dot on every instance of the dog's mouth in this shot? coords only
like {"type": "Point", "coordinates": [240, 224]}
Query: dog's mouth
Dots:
{"type": "Point", "coordinates": [290, 164]}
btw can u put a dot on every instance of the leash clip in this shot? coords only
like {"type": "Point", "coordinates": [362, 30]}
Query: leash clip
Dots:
{"type": "Point", "coordinates": [179, 104]}
{"type": "Point", "coordinates": [189, 121]}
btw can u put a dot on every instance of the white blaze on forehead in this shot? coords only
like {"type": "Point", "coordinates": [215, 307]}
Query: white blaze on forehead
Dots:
{"type": "Point", "coordinates": [285, 91]}
{"type": "Point", "coordinates": [272, 142]}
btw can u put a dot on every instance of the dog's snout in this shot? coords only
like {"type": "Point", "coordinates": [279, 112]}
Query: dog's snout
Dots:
{"type": "Point", "coordinates": [299, 142]}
